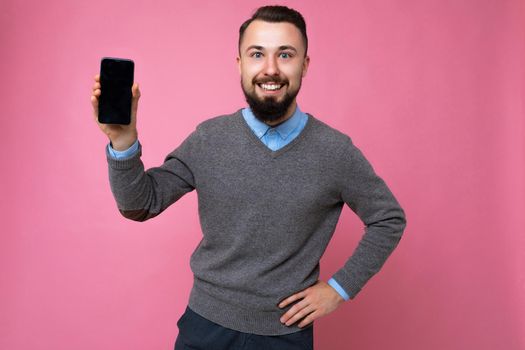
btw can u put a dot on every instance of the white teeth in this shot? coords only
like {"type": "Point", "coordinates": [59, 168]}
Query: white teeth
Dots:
{"type": "Point", "coordinates": [271, 87]}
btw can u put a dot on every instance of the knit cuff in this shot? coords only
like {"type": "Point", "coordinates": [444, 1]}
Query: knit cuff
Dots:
{"type": "Point", "coordinates": [351, 282]}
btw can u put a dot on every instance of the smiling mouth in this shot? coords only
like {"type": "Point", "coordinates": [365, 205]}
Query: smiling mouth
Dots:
{"type": "Point", "coordinates": [270, 86]}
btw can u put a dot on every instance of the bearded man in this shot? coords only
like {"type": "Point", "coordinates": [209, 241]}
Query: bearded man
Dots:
{"type": "Point", "coordinates": [271, 182]}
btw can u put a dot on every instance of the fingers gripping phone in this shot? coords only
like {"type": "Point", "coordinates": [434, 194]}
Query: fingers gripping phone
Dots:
{"type": "Point", "coordinates": [116, 80]}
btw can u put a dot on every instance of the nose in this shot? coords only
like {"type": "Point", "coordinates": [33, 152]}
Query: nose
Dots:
{"type": "Point", "coordinates": [271, 67]}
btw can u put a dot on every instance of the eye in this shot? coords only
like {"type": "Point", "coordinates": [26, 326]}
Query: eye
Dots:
{"type": "Point", "coordinates": [285, 55]}
{"type": "Point", "coordinates": [256, 54]}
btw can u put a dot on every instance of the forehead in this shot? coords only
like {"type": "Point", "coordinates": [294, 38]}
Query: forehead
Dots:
{"type": "Point", "coordinates": [272, 35]}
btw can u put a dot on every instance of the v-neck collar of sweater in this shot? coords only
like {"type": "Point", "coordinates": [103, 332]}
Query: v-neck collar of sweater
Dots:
{"type": "Point", "coordinates": [274, 154]}
{"type": "Point", "coordinates": [283, 130]}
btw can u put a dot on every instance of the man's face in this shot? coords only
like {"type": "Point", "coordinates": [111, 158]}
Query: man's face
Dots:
{"type": "Point", "coordinates": [272, 65]}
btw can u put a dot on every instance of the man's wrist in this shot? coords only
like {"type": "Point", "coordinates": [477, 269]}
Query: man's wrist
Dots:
{"type": "Point", "coordinates": [123, 141]}
{"type": "Point", "coordinates": [122, 145]}
{"type": "Point", "coordinates": [130, 151]}
{"type": "Point", "coordinates": [333, 283]}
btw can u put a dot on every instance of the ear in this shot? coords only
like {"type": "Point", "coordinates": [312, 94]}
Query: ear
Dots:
{"type": "Point", "coordinates": [306, 63]}
{"type": "Point", "coordinates": [239, 64]}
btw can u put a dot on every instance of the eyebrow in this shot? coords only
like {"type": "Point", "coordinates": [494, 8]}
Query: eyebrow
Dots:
{"type": "Point", "coordinates": [282, 47]}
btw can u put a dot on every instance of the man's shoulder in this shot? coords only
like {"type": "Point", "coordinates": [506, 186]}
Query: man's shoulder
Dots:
{"type": "Point", "coordinates": [218, 122]}
{"type": "Point", "coordinates": [327, 133]}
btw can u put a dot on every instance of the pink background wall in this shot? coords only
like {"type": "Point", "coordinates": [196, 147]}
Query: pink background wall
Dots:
{"type": "Point", "coordinates": [431, 91]}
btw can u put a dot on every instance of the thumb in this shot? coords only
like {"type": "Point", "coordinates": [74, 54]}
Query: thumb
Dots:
{"type": "Point", "coordinates": [136, 94]}
{"type": "Point", "coordinates": [134, 101]}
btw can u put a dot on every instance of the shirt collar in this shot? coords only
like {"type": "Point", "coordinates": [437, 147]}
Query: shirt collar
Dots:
{"type": "Point", "coordinates": [284, 129]}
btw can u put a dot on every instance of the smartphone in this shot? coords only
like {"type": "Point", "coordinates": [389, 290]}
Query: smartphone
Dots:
{"type": "Point", "coordinates": [116, 80]}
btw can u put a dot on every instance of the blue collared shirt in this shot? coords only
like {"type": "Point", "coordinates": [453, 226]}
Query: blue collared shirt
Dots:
{"type": "Point", "coordinates": [273, 137]}
{"type": "Point", "coordinates": [280, 135]}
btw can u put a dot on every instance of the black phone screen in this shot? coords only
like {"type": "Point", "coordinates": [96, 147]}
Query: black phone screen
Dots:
{"type": "Point", "coordinates": [116, 80]}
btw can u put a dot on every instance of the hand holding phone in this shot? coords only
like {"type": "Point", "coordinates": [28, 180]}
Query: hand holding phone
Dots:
{"type": "Point", "coordinates": [123, 135]}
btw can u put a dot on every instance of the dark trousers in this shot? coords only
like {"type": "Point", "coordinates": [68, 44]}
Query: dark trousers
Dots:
{"type": "Point", "coordinates": [197, 333]}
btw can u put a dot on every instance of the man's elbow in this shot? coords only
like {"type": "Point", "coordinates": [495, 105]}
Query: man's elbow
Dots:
{"type": "Point", "coordinates": [400, 224]}
{"type": "Point", "coordinates": [395, 224]}
{"type": "Point", "coordinates": [138, 214]}
{"type": "Point", "coordinates": [403, 221]}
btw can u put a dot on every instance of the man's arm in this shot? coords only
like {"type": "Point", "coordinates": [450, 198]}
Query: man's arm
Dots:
{"type": "Point", "coordinates": [384, 219]}
{"type": "Point", "coordinates": [369, 197]}
{"type": "Point", "coordinates": [140, 194]}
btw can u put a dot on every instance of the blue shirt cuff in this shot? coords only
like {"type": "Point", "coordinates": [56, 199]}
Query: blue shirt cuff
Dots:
{"type": "Point", "coordinates": [332, 282]}
{"type": "Point", "coordinates": [131, 151]}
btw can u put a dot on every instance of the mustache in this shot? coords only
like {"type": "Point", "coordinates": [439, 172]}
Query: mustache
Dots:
{"type": "Point", "coordinates": [270, 79]}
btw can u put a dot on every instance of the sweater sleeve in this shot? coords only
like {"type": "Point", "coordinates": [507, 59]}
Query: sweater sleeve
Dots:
{"type": "Point", "coordinates": [384, 219]}
{"type": "Point", "coordinates": [142, 195]}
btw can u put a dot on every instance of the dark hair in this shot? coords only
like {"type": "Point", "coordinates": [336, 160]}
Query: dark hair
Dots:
{"type": "Point", "coordinates": [277, 14]}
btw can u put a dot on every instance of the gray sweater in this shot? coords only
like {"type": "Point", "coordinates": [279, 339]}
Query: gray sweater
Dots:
{"type": "Point", "coordinates": [266, 216]}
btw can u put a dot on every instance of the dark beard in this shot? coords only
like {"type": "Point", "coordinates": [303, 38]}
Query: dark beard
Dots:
{"type": "Point", "coordinates": [269, 109]}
